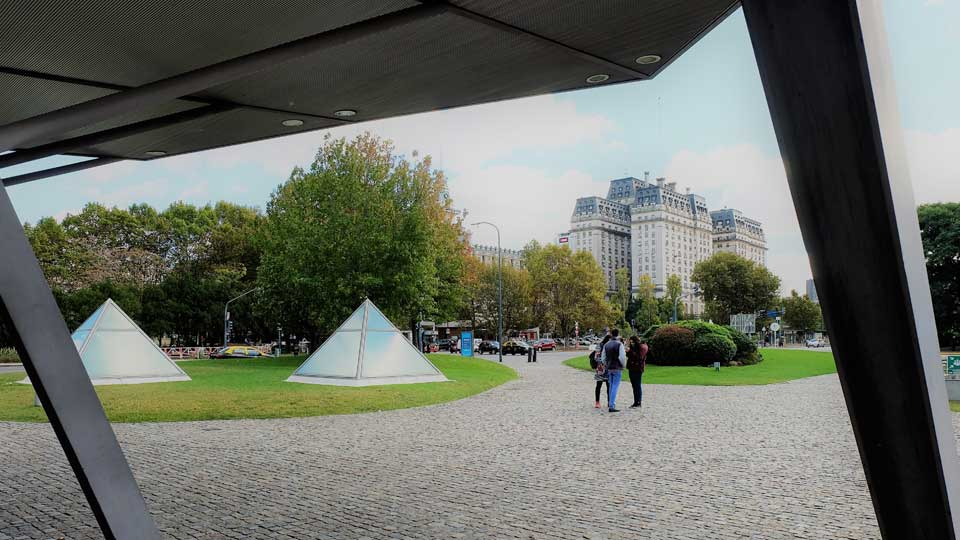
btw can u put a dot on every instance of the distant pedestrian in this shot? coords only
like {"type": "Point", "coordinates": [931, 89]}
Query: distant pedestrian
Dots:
{"type": "Point", "coordinates": [636, 365]}
{"type": "Point", "coordinates": [615, 358]}
{"type": "Point", "coordinates": [599, 372]}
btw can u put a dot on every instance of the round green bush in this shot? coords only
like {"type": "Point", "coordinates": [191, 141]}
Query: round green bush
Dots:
{"type": "Point", "coordinates": [745, 346]}
{"type": "Point", "coordinates": [710, 348]}
{"type": "Point", "coordinates": [672, 345]}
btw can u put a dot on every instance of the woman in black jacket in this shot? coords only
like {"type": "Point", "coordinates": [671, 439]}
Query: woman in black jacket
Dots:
{"type": "Point", "coordinates": [636, 364]}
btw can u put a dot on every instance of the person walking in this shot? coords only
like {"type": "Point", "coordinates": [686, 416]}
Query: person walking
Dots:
{"type": "Point", "coordinates": [636, 364]}
{"type": "Point", "coordinates": [599, 372]}
{"type": "Point", "coordinates": [615, 358]}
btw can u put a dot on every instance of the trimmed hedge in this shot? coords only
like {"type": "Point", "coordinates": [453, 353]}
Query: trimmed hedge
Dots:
{"type": "Point", "coordinates": [696, 343]}
{"type": "Point", "coordinates": [710, 348]}
{"type": "Point", "coordinates": [671, 345]}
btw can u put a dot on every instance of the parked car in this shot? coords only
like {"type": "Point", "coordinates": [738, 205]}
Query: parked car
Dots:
{"type": "Point", "coordinates": [488, 346]}
{"type": "Point", "coordinates": [545, 344]}
{"type": "Point", "coordinates": [515, 346]}
{"type": "Point", "coordinates": [813, 342]}
{"type": "Point", "coordinates": [444, 344]}
{"type": "Point", "coordinates": [237, 351]}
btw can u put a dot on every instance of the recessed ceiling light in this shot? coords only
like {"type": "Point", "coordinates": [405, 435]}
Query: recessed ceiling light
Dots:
{"type": "Point", "coordinates": [292, 122]}
{"type": "Point", "coordinates": [345, 112]}
{"type": "Point", "coordinates": [648, 59]}
{"type": "Point", "coordinates": [155, 153]}
{"type": "Point", "coordinates": [598, 78]}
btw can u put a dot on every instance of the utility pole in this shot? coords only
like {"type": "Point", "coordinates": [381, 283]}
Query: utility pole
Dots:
{"type": "Point", "coordinates": [499, 287]}
{"type": "Point", "coordinates": [226, 314]}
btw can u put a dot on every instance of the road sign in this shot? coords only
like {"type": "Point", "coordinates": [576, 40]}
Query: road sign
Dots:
{"type": "Point", "coordinates": [953, 364]}
{"type": "Point", "coordinates": [744, 322]}
{"type": "Point", "coordinates": [775, 327]}
{"type": "Point", "coordinates": [466, 343]}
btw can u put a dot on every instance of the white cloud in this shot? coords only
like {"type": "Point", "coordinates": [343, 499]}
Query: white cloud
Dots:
{"type": "Point", "coordinates": [934, 159]}
{"type": "Point", "coordinates": [743, 177]}
{"type": "Point", "coordinates": [525, 202]}
{"type": "Point", "coordinates": [129, 194]}
{"type": "Point", "coordinates": [200, 190]}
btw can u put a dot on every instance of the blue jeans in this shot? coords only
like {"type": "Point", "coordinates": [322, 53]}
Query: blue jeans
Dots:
{"type": "Point", "coordinates": [613, 384]}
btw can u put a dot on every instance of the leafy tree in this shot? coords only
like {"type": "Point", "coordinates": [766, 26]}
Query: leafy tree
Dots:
{"type": "Point", "coordinates": [361, 222]}
{"type": "Point", "coordinates": [570, 288]}
{"type": "Point", "coordinates": [732, 284]}
{"type": "Point", "coordinates": [801, 313]}
{"type": "Point", "coordinates": [940, 231]}
{"type": "Point", "coordinates": [647, 308]}
{"type": "Point", "coordinates": [621, 296]}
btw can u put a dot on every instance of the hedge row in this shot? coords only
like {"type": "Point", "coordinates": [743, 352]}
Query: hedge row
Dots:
{"type": "Point", "coordinates": [698, 343]}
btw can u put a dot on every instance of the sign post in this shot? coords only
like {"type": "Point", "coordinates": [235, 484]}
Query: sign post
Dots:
{"type": "Point", "coordinates": [953, 364]}
{"type": "Point", "coordinates": [466, 343]}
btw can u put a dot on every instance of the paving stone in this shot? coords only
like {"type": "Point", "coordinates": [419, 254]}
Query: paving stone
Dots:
{"type": "Point", "coordinates": [528, 460]}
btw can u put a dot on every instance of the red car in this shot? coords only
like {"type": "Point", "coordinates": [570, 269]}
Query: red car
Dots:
{"type": "Point", "coordinates": [545, 344]}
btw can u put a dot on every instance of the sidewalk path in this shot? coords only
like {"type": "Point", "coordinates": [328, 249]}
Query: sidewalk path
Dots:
{"type": "Point", "coordinates": [529, 460]}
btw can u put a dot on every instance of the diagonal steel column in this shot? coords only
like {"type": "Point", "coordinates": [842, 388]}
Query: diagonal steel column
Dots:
{"type": "Point", "coordinates": [827, 76]}
{"type": "Point", "coordinates": [57, 171]}
{"type": "Point", "coordinates": [61, 382]}
{"type": "Point", "coordinates": [29, 131]}
{"type": "Point", "coordinates": [68, 145]}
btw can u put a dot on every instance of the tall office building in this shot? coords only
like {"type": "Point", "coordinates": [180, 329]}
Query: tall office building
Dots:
{"type": "Point", "coordinates": [488, 255]}
{"type": "Point", "coordinates": [650, 228]}
{"type": "Point", "coordinates": [601, 226]}
{"type": "Point", "coordinates": [736, 233]}
{"type": "Point", "coordinates": [671, 232]}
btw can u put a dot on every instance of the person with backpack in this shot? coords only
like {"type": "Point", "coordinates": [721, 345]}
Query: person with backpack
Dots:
{"type": "Point", "coordinates": [636, 364]}
{"type": "Point", "coordinates": [615, 358]}
{"type": "Point", "coordinates": [599, 372]}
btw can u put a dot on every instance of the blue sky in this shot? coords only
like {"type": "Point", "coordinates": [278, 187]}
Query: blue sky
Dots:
{"type": "Point", "coordinates": [702, 123]}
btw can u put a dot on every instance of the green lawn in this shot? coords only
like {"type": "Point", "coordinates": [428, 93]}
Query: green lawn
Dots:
{"type": "Point", "coordinates": [255, 388]}
{"type": "Point", "coordinates": [778, 365]}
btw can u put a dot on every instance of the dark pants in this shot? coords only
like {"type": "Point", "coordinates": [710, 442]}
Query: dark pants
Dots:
{"type": "Point", "coordinates": [596, 392]}
{"type": "Point", "coordinates": [635, 377]}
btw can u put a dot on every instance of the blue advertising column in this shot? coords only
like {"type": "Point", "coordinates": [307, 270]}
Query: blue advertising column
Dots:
{"type": "Point", "coordinates": [466, 343]}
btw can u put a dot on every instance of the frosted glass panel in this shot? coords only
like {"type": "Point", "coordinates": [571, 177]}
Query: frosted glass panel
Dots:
{"type": "Point", "coordinates": [88, 324]}
{"type": "Point", "coordinates": [79, 336]}
{"type": "Point", "coordinates": [389, 354]}
{"type": "Point", "coordinates": [112, 319]}
{"type": "Point", "coordinates": [337, 357]}
{"type": "Point", "coordinates": [376, 321]}
{"type": "Point", "coordinates": [355, 322]}
{"type": "Point", "coordinates": [125, 354]}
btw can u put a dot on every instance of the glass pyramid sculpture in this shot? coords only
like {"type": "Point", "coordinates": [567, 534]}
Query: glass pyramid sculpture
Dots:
{"type": "Point", "coordinates": [114, 350]}
{"type": "Point", "coordinates": [366, 350]}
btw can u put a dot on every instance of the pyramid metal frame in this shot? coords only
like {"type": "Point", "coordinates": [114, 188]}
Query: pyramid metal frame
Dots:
{"type": "Point", "coordinates": [358, 379]}
{"type": "Point", "coordinates": [123, 380]}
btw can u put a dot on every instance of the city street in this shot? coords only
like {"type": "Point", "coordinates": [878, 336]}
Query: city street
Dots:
{"type": "Point", "coordinates": [529, 459]}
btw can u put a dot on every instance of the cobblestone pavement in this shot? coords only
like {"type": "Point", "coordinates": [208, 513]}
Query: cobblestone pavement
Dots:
{"type": "Point", "coordinates": [531, 459]}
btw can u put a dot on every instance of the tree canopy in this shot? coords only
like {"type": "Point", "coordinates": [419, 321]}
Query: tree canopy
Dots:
{"type": "Point", "coordinates": [801, 314]}
{"type": "Point", "coordinates": [732, 284]}
{"type": "Point", "coordinates": [361, 222]}
{"type": "Point", "coordinates": [570, 288]}
{"type": "Point", "coordinates": [940, 231]}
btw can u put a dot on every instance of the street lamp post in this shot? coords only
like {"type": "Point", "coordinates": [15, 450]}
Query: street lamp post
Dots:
{"type": "Point", "coordinates": [226, 314]}
{"type": "Point", "coordinates": [499, 287]}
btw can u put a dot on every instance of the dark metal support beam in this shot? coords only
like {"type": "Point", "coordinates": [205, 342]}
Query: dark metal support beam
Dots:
{"type": "Point", "coordinates": [68, 145]}
{"type": "Point", "coordinates": [193, 99]}
{"type": "Point", "coordinates": [51, 360]}
{"type": "Point", "coordinates": [28, 131]}
{"type": "Point", "coordinates": [827, 77]}
{"type": "Point", "coordinates": [57, 171]}
{"type": "Point", "coordinates": [517, 31]}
